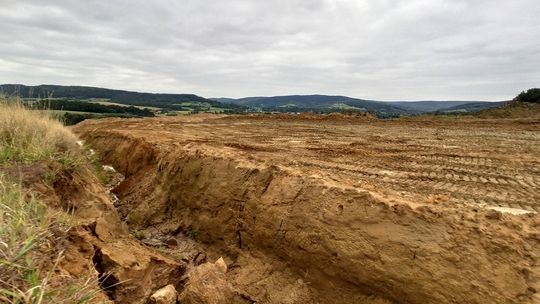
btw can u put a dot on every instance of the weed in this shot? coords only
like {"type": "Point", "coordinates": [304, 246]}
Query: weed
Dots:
{"type": "Point", "coordinates": [136, 218]}
{"type": "Point", "coordinates": [192, 233]}
{"type": "Point", "coordinates": [50, 177]}
{"type": "Point", "coordinates": [139, 235]}
{"type": "Point", "coordinates": [68, 160]}
{"type": "Point", "coordinates": [101, 173]}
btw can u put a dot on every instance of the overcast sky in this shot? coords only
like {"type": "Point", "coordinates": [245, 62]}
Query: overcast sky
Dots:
{"type": "Point", "coordinates": [374, 49]}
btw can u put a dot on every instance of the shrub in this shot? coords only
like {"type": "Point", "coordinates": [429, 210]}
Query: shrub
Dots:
{"type": "Point", "coordinates": [532, 95]}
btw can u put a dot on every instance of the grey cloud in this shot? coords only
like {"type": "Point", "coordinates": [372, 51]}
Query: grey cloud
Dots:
{"type": "Point", "coordinates": [379, 49]}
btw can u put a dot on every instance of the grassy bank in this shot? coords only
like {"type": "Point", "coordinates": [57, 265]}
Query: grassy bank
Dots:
{"type": "Point", "coordinates": [28, 136]}
{"type": "Point", "coordinates": [28, 229]}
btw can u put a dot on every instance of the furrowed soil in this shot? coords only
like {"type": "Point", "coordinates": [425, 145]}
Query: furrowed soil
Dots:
{"type": "Point", "coordinates": [315, 209]}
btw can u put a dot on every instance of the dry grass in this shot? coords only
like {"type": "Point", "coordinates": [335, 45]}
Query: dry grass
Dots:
{"type": "Point", "coordinates": [22, 227]}
{"type": "Point", "coordinates": [28, 232]}
{"type": "Point", "coordinates": [28, 136]}
{"type": "Point", "coordinates": [28, 261]}
{"type": "Point", "coordinates": [512, 110]}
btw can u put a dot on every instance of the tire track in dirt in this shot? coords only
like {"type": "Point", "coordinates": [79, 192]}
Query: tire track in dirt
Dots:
{"type": "Point", "coordinates": [498, 187]}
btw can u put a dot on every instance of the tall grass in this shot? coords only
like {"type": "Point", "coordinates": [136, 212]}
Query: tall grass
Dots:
{"type": "Point", "coordinates": [28, 262]}
{"type": "Point", "coordinates": [23, 226]}
{"type": "Point", "coordinates": [29, 271]}
{"type": "Point", "coordinates": [28, 136]}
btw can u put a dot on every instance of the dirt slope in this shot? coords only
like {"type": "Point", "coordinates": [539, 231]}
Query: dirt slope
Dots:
{"type": "Point", "coordinates": [340, 211]}
{"type": "Point", "coordinates": [98, 244]}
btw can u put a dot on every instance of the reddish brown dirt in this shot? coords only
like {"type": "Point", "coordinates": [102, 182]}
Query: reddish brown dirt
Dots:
{"type": "Point", "coordinates": [340, 210]}
{"type": "Point", "coordinates": [97, 251]}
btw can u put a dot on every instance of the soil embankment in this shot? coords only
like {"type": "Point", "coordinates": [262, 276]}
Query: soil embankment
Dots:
{"type": "Point", "coordinates": [97, 247]}
{"type": "Point", "coordinates": [314, 212]}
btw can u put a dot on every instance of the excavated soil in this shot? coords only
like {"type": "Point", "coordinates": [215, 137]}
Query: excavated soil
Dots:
{"type": "Point", "coordinates": [339, 210]}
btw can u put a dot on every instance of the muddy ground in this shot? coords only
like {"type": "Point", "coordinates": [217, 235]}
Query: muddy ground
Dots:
{"type": "Point", "coordinates": [340, 210]}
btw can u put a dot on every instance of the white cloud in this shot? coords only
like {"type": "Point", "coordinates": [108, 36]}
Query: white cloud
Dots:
{"type": "Point", "coordinates": [389, 49]}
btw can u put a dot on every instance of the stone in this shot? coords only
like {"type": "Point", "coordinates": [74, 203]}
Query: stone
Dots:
{"type": "Point", "coordinates": [172, 242]}
{"type": "Point", "coordinates": [165, 295]}
{"type": "Point", "coordinates": [207, 284]}
{"type": "Point", "coordinates": [221, 265]}
{"type": "Point", "coordinates": [493, 215]}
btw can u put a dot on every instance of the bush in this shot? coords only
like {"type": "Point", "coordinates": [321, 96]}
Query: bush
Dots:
{"type": "Point", "coordinates": [74, 118]}
{"type": "Point", "coordinates": [532, 95]}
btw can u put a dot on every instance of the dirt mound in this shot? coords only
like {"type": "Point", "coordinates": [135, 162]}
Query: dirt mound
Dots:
{"type": "Point", "coordinates": [304, 217]}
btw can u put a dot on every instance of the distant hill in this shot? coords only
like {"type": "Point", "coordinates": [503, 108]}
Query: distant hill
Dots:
{"type": "Point", "coordinates": [326, 103]}
{"type": "Point", "coordinates": [291, 103]}
{"type": "Point", "coordinates": [319, 103]}
{"type": "Point", "coordinates": [433, 105]}
{"type": "Point", "coordinates": [117, 96]}
{"type": "Point", "coordinates": [472, 107]}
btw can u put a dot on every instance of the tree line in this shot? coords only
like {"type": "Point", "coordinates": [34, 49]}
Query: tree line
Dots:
{"type": "Point", "coordinates": [531, 95]}
{"type": "Point", "coordinates": [79, 106]}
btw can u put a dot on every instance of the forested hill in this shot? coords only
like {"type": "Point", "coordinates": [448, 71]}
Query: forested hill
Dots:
{"type": "Point", "coordinates": [435, 105]}
{"type": "Point", "coordinates": [117, 96]}
{"type": "Point", "coordinates": [327, 103]}
{"type": "Point", "coordinates": [319, 103]}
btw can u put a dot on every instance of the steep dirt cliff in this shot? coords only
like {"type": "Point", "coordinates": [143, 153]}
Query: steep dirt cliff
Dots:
{"type": "Point", "coordinates": [97, 245]}
{"type": "Point", "coordinates": [292, 236]}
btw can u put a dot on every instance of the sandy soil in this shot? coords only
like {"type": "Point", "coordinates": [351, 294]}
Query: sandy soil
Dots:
{"type": "Point", "coordinates": [476, 163]}
{"type": "Point", "coordinates": [405, 210]}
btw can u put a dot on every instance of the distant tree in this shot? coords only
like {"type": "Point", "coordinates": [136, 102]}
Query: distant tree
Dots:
{"type": "Point", "coordinates": [531, 95]}
{"type": "Point", "coordinates": [164, 101]}
{"type": "Point", "coordinates": [73, 118]}
{"type": "Point", "coordinates": [71, 105]}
